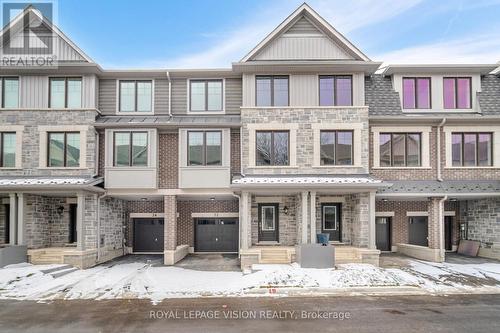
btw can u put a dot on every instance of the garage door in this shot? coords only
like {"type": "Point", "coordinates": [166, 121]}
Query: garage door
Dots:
{"type": "Point", "coordinates": [148, 235]}
{"type": "Point", "coordinates": [216, 235]}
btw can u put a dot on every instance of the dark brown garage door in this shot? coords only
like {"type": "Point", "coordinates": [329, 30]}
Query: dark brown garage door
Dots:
{"type": "Point", "coordinates": [216, 235]}
{"type": "Point", "coordinates": [148, 235]}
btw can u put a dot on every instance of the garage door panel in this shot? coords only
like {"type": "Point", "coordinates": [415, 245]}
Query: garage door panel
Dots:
{"type": "Point", "coordinates": [216, 235]}
{"type": "Point", "coordinates": [148, 235]}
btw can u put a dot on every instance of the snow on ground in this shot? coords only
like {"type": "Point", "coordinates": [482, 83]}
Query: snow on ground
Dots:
{"type": "Point", "coordinates": [141, 280]}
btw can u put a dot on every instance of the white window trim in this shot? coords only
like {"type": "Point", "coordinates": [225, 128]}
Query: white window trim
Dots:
{"type": "Point", "coordinates": [183, 147]}
{"type": "Point", "coordinates": [188, 106]}
{"type": "Point", "coordinates": [384, 214]}
{"type": "Point", "coordinates": [135, 113]}
{"type": "Point", "coordinates": [253, 128]}
{"type": "Point", "coordinates": [109, 148]}
{"type": "Point", "coordinates": [356, 149]}
{"type": "Point", "coordinates": [18, 129]}
{"type": "Point", "coordinates": [215, 215]}
{"type": "Point", "coordinates": [448, 130]}
{"type": "Point", "coordinates": [417, 214]}
{"type": "Point", "coordinates": [425, 132]}
{"type": "Point", "coordinates": [43, 132]}
{"type": "Point", "coordinates": [331, 199]}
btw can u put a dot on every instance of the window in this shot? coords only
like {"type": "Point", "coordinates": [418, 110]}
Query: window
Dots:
{"type": "Point", "coordinates": [472, 149]}
{"type": "Point", "coordinates": [457, 92]}
{"type": "Point", "coordinates": [330, 221]}
{"type": "Point", "coordinates": [272, 148]}
{"type": "Point", "coordinates": [335, 90]}
{"type": "Point", "coordinates": [400, 149]}
{"type": "Point", "coordinates": [65, 93]}
{"type": "Point", "coordinates": [205, 95]}
{"type": "Point", "coordinates": [416, 93]}
{"type": "Point", "coordinates": [130, 149]}
{"type": "Point", "coordinates": [271, 90]}
{"type": "Point", "coordinates": [136, 96]}
{"type": "Point", "coordinates": [204, 148]}
{"type": "Point", "coordinates": [10, 92]}
{"type": "Point", "coordinates": [64, 149]}
{"type": "Point", "coordinates": [8, 149]}
{"type": "Point", "coordinates": [336, 147]}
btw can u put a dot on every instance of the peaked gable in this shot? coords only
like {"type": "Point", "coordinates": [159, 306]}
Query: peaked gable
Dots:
{"type": "Point", "coordinates": [305, 35]}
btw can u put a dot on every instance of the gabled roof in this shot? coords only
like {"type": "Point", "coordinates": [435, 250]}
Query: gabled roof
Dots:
{"type": "Point", "coordinates": [306, 19]}
{"type": "Point", "coordinates": [17, 25]}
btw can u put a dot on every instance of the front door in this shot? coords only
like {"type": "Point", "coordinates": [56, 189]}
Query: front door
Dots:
{"type": "Point", "coordinates": [418, 230]}
{"type": "Point", "coordinates": [383, 233]}
{"type": "Point", "coordinates": [268, 222]}
{"type": "Point", "coordinates": [331, 221]}
{"type": "Point", "coordinates": [148, 235]}
{"type": "Point", "coordinates": [72, 223]}
{"type": "Point", "coordinates": [448, 232]}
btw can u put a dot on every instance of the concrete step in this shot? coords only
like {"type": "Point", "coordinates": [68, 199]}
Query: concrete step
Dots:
{"type": "Point", "coordinates": [55, 269]}
{"type": "Point", "coordinates": [63, 272]}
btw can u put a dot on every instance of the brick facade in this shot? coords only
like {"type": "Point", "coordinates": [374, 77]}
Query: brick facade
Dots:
{"type": "Point", "coordinates": [235, 153]}
{"type": "Point", "coordinates": [153, 206]}
{"type": "Point", "coordinates": [168, 157]}
{"type": "Point", "coordinates": [170, 231]}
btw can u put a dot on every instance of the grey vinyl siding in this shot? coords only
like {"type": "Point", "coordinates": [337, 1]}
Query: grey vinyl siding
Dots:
{"type": "Point", "coordinates": [303, 26]}
{"type": "Point", "coordinates": [107, 96]}
{"type": "Point", "coordinates": [161, 96]}
{"type": "Point", "coordinates": [233, 96]}
{"type": "Point", "coordinates": [179, 96]}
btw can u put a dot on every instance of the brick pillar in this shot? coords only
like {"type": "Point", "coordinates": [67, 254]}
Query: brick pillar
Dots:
{"type": "Point", "coordinates": [436, 227]}
{"type": "Point", "coordinates": [170, 225]}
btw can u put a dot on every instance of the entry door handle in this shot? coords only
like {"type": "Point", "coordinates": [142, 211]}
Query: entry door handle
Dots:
{"type": "Point", "coordinates": [156, 239]}
{"type": "Point", "coordinates": [216, 239]}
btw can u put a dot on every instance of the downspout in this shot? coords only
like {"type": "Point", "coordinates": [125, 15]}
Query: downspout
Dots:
{"type": "Point", "coordinates": [441, 226]}
{"type": "Point", "coordinates": [239, 222]}
{"type": "Point", "coordinates": [169, 96]}
{"type": "Point", "coordinates": [98, 215]}
{"type": "Point", "coordinates": [438, 143]}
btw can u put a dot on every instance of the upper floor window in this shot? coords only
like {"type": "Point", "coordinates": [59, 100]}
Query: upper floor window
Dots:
{"type": "Point", "coordinates": [472, 149]}
{"type": "Point", "coordinates": [65, 92]}
{"type": "Point", "coordinates": [136, 96]}
{"type": "Point", "coordinates": [335, 90]}
{"type": "Point", "coordinates": [130, 149]}
{"type": "Point", "coordinates": [271, 90]}
{"type": "Point", "coordinates": [7, 149]}
{"type": "Point", "coordinates": [400, 149]}
{"type": "Point", "coordinates": [416, 93]}
{"type": "Point", "coordinates": [204, 148]}
{"type": "Point", "coordinates": [457, 92]}
{"type": "Point", "coordinates": [64, 149]}
{"type": "Point", "coordinates": [10, 92]}
{"type": "Point", "coordinates": [272, 148]}
{"type": "Point", "coordinates": [205, 95]}
{"type": "Point", "coordinates": [336, 147]}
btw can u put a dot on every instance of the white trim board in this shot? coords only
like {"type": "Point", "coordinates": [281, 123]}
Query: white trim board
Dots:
{"type": "Point", "coordinates": [214, 215]}
{"type": "Point", "coordinates": [384, 214]}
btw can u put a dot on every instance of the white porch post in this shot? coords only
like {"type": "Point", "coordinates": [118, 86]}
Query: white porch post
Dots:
{"type": "Point", "coordinates": [312, 213]}
{"type": "Point", "coordinates": [371, 222]}
{"type": "Point", "coordinates": [12, 219]}
{"type": "Point", "coordinates": [244, 221]}
{"type": "Point", "coordinates": [21, 226]}
{"type": "Point", "coordinates": [80, 227]}
{"type": "Point", "coordinates": [305, 213]}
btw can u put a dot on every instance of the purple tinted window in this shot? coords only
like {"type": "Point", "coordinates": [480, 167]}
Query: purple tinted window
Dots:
{"type": "Point", "coordinates": [469, 149]}
{"type": "Point", "coordinates": [385, 149]}
{"type": "Point", "coordinates": [343, 88]}
{"type": "Point", "coordinates": [456, 149]}
{"type": "Point", "coordinates": [424, 93]}
{"type": "Point", "coordinates": [484, 149]}
{"type": "Point", "coordinates": [449, 93]}
{"type": "Point", "coordinates": [280, 91]}
{"type": "Point", "coordinates": [408, 93]}
{"type": "Point", "coordinates": [326, 91]}
{"type": "Point", "coordinates": [463, 93]}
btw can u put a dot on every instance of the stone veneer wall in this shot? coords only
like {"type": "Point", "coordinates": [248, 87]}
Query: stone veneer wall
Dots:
{"type": "Point", "coordinates": [112, 217]}
{"type": "Point", "coordinates": [2, 222]}
{"type": "Point", "coordinates": [346, 216]}
{"type": "Point", "coordinates": [360, 219]}
{"type": "Point", "coordinates": [305, 136]}
{"type": "Point", "coordinates": [483, 217]}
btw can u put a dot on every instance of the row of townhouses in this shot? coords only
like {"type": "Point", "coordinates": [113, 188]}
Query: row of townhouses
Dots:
{"type": "Point", "coordinates": [304, 135]}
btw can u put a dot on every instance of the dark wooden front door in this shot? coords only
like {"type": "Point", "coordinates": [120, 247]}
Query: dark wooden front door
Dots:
{"type": "Point", "coordinates": [418, 230]}
{"type": "Point", "coordinates": [383, 233]}
{"type": "Point", "coordinates": [72, 223]}
{"type": "Point", "coordinates": [268, 222]}
{"type": "Point", "coordinates": [148, 235]}
{"type": "Point", "coordinates": [448, 232]}
{"type": "Point", "coordinates": [216, 235]}
{"type": "Point", "coordinates": [331, 214]}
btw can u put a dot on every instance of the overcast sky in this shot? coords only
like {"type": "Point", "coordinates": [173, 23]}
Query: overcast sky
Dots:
{"type": "Point", "coordinates": [214, 33]}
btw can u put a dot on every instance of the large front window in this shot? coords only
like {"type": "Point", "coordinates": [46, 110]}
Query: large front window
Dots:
{"type": "Point", "coordinates": [204, 148]}
{"type": "Point", "coordinates": [205, 95]}
{"type": "Point", "coordinates": [7, 150]}
{"type": "Point", "coordinates": [64, 149]}
{"type": "Point", "coordinates": [335, 90]}
{"type": "Point", "coordinates": [10, 92]}
{"type": "Point", "coordinates": [130, 149]}
{"type": "Point", "coordinates": [136, 96]}
{"type": "Point", "coordinates": [400, 149]}
{"type": "Point", "coordinates": [457, 92]}
{"type": "Point", "coordinates": [65, 92]}
{"type": "Point", "coordinates": [271, 90]}
{"type": "Point", "coordinates": [416, 93]}
{"type": "Point", "coordinates": [472, 149]}
{"type": "Point", "coordinates": [336, 147]}
{"type": "Point", "coordinates": [272, 148]}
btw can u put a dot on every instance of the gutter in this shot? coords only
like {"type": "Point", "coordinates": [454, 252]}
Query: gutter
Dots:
{"type": "Point", "coordinates": [438, 143]}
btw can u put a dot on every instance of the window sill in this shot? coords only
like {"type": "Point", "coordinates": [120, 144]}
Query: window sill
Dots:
{"type": "Point", "coordinates": [471, 167]}
{"type": "Point", "coordinates": [337, 166]}
{"type": "Point", "coordinates": [62, 168]}
{"type": "Point", "coordinates": [273, 167]}
{"type": "Point", "coordinates": [305, 107]}
{"type": "Point", "coordinates": [401, 168]}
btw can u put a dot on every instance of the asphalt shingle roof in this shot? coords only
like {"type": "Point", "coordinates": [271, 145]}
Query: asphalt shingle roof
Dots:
{"type": "Point", "coordinates": [489, 97]}
{"type": "Point", "coordinates": [381, 97]}
{"type": "Point", "coordinates": [444, 187]}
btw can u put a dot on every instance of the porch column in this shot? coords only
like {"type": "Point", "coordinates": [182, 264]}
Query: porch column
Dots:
{"type": "Point", "coordinates": [435, 228]}
{"type": "Point", "coordinates": [244, 220]}
{"type": "Point", "coordinates": [305, 213]}
{"type": "Point", "coordinates": [21, 226]}
{"type": "Point", "coordinates": [80, 223]}
{"type": "Point", "coordinates": [12, 219]}
{"type": "Point", "coordinates": [312, 213]}
{"type": "Point", "coordinates": [371, 222]}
